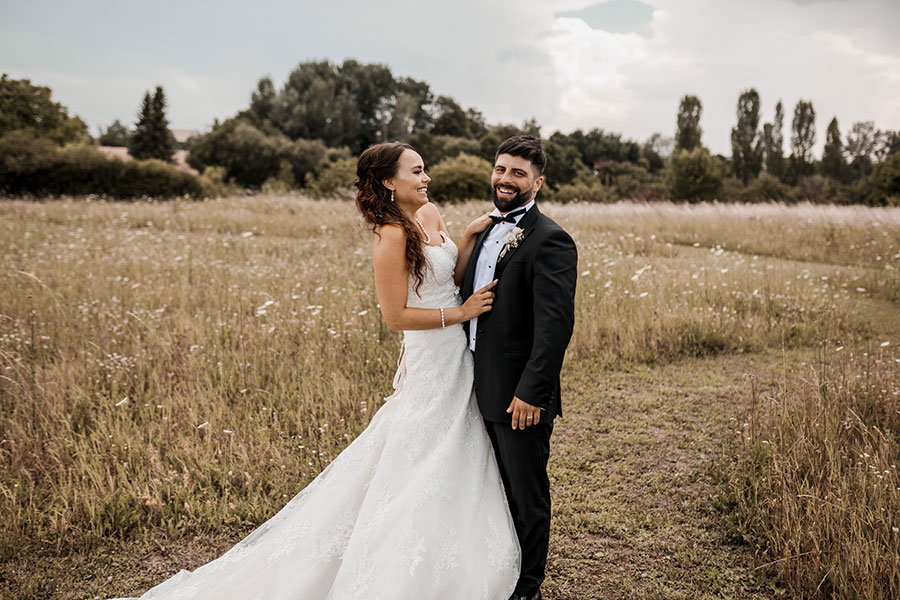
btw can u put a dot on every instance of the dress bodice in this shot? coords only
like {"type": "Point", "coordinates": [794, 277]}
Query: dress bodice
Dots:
{"type": "Point", "coordinates": [438, 289]}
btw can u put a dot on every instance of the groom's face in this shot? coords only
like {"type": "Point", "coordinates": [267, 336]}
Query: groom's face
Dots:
{"type": "Point", "coordinates": [513, 182]}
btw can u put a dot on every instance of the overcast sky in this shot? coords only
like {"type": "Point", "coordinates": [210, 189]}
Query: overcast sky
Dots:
{"type": "Point", "coordinates": [621, 65]}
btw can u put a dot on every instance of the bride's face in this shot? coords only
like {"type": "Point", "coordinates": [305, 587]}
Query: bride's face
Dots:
{"type": "Point", "coordinates": [410, 184]}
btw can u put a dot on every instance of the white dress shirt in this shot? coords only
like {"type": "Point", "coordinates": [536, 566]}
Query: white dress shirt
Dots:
{"type": "Point", "coordinates": [486, 264]}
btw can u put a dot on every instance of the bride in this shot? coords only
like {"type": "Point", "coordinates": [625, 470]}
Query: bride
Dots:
{"type": "Point", "coordinates": [414, 507]}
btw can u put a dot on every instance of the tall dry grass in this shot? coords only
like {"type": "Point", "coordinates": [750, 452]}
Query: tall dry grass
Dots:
{"type": "Point", "coordinates": [173, 368]}
{"type": "Point", "coordinates": [816, 484]}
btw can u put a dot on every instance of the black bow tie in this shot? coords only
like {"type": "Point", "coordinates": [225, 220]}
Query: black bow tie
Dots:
{"type": "Point", "coordinates": [508, 218]}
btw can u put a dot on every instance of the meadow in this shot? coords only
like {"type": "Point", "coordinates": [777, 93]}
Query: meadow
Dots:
{"type": "Point", "coordinates": [171, 373]}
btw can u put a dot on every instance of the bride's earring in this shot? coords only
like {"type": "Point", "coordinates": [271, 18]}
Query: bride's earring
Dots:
{"type": "Point", "coordinates": [392, 195]}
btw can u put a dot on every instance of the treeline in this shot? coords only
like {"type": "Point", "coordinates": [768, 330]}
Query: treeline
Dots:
{"type": "Point", "coordinates": [864, 169]}
{"type": "Point", "coordinates": [306, 134]}
{"type": "Point", "coordinates": [45, 151]}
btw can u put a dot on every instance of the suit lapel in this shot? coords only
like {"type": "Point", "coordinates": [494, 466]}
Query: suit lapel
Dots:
{"type": "Point", "coordinates": [526, 224]}
{"type": "Point", "coordinates": [469, 280]}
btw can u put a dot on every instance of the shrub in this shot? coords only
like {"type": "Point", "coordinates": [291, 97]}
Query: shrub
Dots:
{"type": "Point", "coordinates": [652, 190]}
{"type": "Point", "coordinates": [282, 182]}
{"type": "Point", "coordinates": [886, 181]}
{"type": "Point", "coordinates": [304, 157]}
{"type": "Point", "coordinates": [766, 188]}
{"type": "Point", "coordinates": [816, 189]}
{"type": "Point", "coordinates": [22, 152]}
{"type": "Point", "coordinates": [694, 176]}
{"type": "Point", "coordinates": [213, 182]}
{"type": "Point", "coordinates": [34, 166]}
{"type": "Point", "coordinates": [858, 192]}
{"type": "Point", "coordinates": [460, 178]}
{"type": "Point", "coordinates": [334, 179]}
{"type": "Point", "coordinates": [251, 157]}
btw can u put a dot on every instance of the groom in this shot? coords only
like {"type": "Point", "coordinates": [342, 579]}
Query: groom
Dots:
{"type": "Point", "coordinates": [519, 345]}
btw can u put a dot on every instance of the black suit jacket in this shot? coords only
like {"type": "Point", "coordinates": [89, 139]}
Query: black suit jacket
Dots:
{"type": "Point", "coordinates": [521, 342]}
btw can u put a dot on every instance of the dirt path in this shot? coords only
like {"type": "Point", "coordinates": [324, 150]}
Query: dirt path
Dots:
{"type": "Point", "coordinates": [635, 476]}
{"type": "Point", "coordinates": [634, 480]}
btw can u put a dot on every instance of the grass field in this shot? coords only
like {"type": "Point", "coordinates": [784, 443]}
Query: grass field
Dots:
{"type": "Point", "coordinates": [172, 373]}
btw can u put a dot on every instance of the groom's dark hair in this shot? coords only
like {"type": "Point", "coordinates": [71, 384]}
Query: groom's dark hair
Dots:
{"type": "Point", "coordinates": [526, 146]}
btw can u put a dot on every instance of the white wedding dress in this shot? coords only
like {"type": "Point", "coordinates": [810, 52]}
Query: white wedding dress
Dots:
{"type": "Point", "coordinates": [413, 509]}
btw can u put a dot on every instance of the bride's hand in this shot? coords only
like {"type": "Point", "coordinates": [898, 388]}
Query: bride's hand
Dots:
{"type": "Point", "coordinates": [478, 225]}
{"type": "Point", "coordinates": [479, 302]}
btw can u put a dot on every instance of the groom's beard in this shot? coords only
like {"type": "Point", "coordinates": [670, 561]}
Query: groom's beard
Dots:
{"type": "Point", "coordinates": [505, 205]}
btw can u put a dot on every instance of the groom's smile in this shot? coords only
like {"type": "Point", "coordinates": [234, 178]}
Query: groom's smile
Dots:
{"type": "Point", "coordinates": [506, 190]}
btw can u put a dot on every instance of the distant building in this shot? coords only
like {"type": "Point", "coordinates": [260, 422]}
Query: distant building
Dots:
{"type": "Point", "coordinates": [183, 136]}
{"type": "Point", "coordinates": [179, 158]}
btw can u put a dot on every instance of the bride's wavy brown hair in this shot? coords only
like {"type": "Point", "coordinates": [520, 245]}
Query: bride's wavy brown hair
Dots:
{"type": "Point", "coordinates": [373, 200]}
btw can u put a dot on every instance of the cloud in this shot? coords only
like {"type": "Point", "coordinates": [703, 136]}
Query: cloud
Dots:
{"type": "Point", "coordinates": [590, 71]}
{"type": "Point", "coordinates": [615, 16]}
{"type": "Point", "coordinates": [631, 83]}
{"type": "Point", "coordinates": [568, 63]}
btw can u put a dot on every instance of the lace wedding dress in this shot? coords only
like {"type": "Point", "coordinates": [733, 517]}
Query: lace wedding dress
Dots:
{"type": "Point", "coordinates": [413, 508]}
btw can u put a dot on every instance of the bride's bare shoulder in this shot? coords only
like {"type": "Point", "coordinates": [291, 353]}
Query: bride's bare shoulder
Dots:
{"type": "Point", "coordinates": [388, 237]}
{"type": "Point", "coordinates": [430, 214]}
{"type": "Point", "coordinates": [429, 209]}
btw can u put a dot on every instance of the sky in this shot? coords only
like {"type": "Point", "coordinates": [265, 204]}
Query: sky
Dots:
{"type": "Point", "coordinates": [620, 65]}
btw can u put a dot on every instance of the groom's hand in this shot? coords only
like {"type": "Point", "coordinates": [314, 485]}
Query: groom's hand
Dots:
{"type": "Point", "coordinates": [523, 414]}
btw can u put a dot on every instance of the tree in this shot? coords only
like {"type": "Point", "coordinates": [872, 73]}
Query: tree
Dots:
{"type": "Point", "coordinates": [746, 149]}
{"type": "Point", "coordinates": [495, 136]}
{"type": "Point", "coordinates": [437, 148]}
{"type": "Point", "coordinates": [370, 88]}
{"type": "Point", "coordinates": [598, 146]}
{"type": "Point", "coordinates": [400, 120]}
{"type": "Point", "coordinates": [477, 125]}
{"type": "Point", "coordinates": [151, 137]}
{"type": "Point", "coordinates": [564, 163]}
{"type": "Point", "coordinates": [353, 105]}
{"type": "Point", "coordinates": [694, 176]}
{"type": "Point", "coordinates": [450, 118]}
{"type": "Point", "coordinates": [803, 138]}
{"type": "Point", "coordinates": [420, 94]}
{"type": "Point", "coordinates": [773, 144]}
{"type": "Point", "coordinates": [834, 164]}
{"type": "Point", "coordinates": [656, 149]}
{"type": "Point", "coordinates": [262, 101]}
{"type": "Point", "coordinates": [687, 137]}
{"type": "Point", "coordinates": [862, 140]}
{"type": "Point", "coordinates": [890, 144]}
{"type": "Point", "coordinates": [30, 107]}
{"type": "Point", "coordinates": [314, 105]}
{"type": "Point", "coordinates": [115, 135]}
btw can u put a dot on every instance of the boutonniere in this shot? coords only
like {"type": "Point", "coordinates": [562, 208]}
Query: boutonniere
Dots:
{"type": "Point", "coordinates": [512, 240]}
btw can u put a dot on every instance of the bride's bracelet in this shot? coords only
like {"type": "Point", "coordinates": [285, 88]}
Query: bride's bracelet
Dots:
{"type": "Point", "coordinates": [442, 317]}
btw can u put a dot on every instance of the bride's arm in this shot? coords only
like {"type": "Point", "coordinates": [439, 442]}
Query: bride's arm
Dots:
{"type": "Point", "coordinates": [391, 283]}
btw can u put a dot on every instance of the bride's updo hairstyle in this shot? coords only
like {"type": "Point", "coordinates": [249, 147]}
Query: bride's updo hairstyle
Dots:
{"type": "Point", "coordinates": [373, 200]}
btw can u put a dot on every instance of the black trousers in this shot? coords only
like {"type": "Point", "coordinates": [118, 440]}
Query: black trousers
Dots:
{"type": "Point", "coordinates": [522, 457]}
